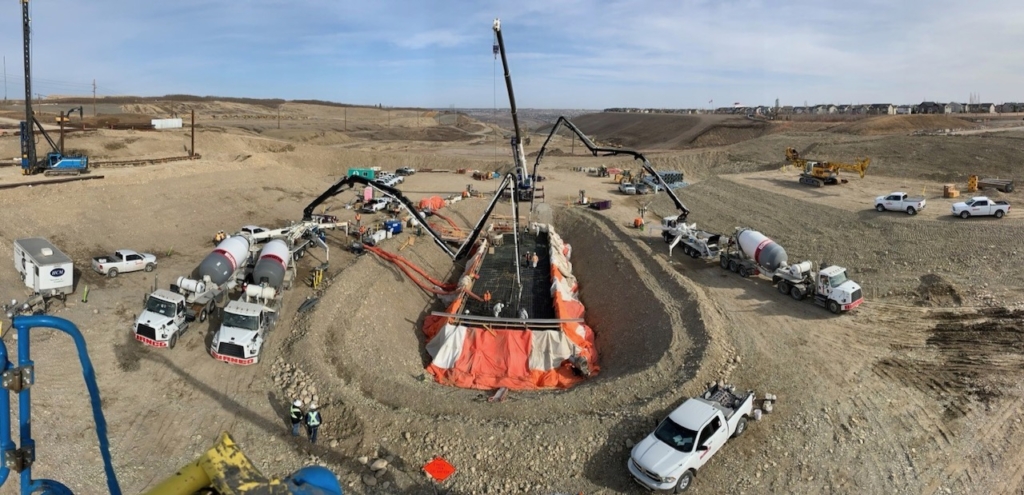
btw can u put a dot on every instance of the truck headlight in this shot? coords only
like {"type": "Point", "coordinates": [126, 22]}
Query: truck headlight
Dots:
{"type": "Point", "coordinates": [163, 336]}
{"type": "Point", "coordinates": [670, 479]}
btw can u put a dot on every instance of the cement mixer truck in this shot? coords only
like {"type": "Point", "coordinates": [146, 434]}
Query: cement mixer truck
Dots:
{"type": "Point", "coordinates": [246, 321]}
{"type": "Point", "coordinates": [750, 252]}
{"type": "Point", "coordinates": [168, 313]}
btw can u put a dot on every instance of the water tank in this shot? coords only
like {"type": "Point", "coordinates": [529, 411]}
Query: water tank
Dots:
{"type": "Point", "coordinates": [191, 285]}
{"type": "Point", "coordinates": [272, 264]}
{"type": "Point", "coordinates": [230, 254]}
{"type": "Point", "coordinates": [764, 251]}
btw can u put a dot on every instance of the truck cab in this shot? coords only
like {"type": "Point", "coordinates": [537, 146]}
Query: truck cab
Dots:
{"type": "Point", "coordinates": [162, 320]}
{"type": "Point", "coordinates": [836, 292]}
{"type": "Point", "coordinates": [241, 333]}
{"type": "Point", "coordinates": [830, 286]}
{"type": "Point", "coordinates": [669, 457]}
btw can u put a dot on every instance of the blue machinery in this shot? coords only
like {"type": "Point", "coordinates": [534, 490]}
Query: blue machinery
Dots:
{"type": "Point", "coordinates": [223, 468]}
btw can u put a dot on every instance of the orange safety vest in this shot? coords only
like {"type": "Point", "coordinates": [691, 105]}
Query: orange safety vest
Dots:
{"type": "Point", "coordinates": [487, 296]}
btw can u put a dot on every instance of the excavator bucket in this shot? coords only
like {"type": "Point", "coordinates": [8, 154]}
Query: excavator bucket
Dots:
{"type": "Point", "coordinates": [227, 471]}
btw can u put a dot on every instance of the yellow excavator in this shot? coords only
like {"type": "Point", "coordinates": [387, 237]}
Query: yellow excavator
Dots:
{"type": "Point", "coordinates": [818, 173]}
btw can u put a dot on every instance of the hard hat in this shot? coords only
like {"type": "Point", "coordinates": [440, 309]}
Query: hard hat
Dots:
{"type": "Point", "coordinates": [313, 406]}
{"type": "Point", "coordinates": [297, 403]}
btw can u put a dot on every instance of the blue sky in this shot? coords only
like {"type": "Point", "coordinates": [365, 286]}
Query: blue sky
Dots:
{"type": "Point", "coordinates": [562, 53]}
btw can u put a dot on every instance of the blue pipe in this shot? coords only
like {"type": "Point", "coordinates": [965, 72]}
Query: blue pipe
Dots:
{"type": "Point", "coordinates": [23, 324]}
{"type": "Point", "coordinates": [5, 416]}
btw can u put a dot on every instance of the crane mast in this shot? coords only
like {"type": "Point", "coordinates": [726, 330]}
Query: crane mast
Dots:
{"type": "Point", "coordinates": [517, 142]}
{"type": "Point", "coordinates": [28, 143]}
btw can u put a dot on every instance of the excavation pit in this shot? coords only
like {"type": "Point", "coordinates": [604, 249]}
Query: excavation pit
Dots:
{"type": "Point", "coordinates": [368, 327]}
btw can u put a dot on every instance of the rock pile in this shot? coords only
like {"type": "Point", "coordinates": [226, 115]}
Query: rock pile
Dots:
{"type": "Point", "coordinates": [295, 383]}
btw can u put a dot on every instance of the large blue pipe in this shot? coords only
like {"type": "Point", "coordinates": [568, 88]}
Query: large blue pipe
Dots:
{"type": "Point", "coordinates": [23, 324]}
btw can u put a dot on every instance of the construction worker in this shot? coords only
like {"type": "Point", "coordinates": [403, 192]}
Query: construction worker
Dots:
{"type": "Point", "coordinates": [534, 259]}
{"type": "Point", "coordinates": [487, 296]}
{"type": "Point", "coordinates": [296, 416]}
{"type": "Point", "coordinates": [313, 421]}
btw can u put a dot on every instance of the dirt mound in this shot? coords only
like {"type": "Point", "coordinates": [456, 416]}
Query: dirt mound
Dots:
{"type": "Point", "coordinates": [903, 124]}
{"type": "Point", "coordinates": [937, 291]}
{"type": "Point", "coordinates": [438, 133]}
{"type": "Point", "coordinates": [665, 131]}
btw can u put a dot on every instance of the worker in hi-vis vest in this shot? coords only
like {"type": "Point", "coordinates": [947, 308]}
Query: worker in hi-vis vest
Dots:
{"type": "Point", "coordinates": [313, 421]}
{"type": "Point", "coordinates": [296, 416]}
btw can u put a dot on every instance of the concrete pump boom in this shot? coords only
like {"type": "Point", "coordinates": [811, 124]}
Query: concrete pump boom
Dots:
{"type": "Point", "coordinates": [595, 149]}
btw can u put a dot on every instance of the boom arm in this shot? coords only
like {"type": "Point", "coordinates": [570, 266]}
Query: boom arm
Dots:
{"type": "Point", "coordinates": [463, 251]}
{"type": "Point", "coordinates": [594, 150]}
{"type": "Point", "coordinates": [517, 144]}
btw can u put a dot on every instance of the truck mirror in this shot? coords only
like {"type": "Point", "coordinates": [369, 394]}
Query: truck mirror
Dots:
{"type": "Point", "coordinates": [702, 448]}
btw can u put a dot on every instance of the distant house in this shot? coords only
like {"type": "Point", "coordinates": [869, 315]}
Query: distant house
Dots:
{"type": "Point", "coordinates": [904, 110]}
{"type": "Point", "coordinates": [800, 110]}
{"type": "Point", "coordinates": [954, 107]}
{"type": "Point", "coordinates": [881, 109]}
{"type": "Point", "coordinates": [825, 109]}
{"type": "Point", "coordinates": [1011, 107]}
{"type": "Point", "coordinates": [844, 109]}
{"type": "Point", "coordinates": [930, 107]}
{"type": "Point", "coordinates": [981, 108]}
{"type": "Point", "coordinates": [786, 110]}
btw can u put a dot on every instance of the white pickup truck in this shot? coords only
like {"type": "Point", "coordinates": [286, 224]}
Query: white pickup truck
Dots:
{"type": "Point", "coordinates": [123, 261]}
{"type": "Point", "coordinates": [981, 206]}
{"type": "Point", "coordinates": [900, 201]}
{"type": "Point", "coordinates": [669, 458]}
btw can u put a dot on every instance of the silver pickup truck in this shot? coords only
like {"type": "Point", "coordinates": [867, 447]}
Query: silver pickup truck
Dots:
{"type": "Point", "coordinates": [123, 261]}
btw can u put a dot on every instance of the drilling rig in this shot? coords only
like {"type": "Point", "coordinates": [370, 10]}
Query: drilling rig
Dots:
{"type": "Point", "coordinates": [56, 163]}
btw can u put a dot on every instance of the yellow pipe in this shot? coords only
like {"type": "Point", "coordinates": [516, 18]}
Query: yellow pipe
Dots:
{"type": "Point", "coordinates": [189, 479]}
{"type": "Point", "coordinates": [224, 468]}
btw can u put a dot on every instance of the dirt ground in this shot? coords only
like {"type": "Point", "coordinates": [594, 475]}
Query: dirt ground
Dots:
{"type": "Point", "coordinates": [917, 391]}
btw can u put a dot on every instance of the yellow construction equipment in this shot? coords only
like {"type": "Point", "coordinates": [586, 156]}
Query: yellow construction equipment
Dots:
{"type": "Point", "coordinates": [225, 470]}
{"type": "Point", "coordinates": [818, 173]}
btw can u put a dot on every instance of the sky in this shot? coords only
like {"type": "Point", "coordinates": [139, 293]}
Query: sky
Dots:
{"type": "Point", "coordinates": [562, 53]}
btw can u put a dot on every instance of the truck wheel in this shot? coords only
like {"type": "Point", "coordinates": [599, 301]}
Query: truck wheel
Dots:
{"type": "Point", "coordinates": [112, 272]}
{"type": "Point", "coordinates": [834, 307]}
{"type": "Point", "coordinates": [694, 254]}
{"type": "Point", "coordinates": [911, 210]}
{"type": "Point", "coordinates": [733, 266]}
{"type": "Point", "coordinates": [202, 315]}
{"type": "Point", "coordinates": [150, 267]}
{"type": "Point", "coordinates": [880, 207]}
{"type": "Point", "coordinates": [724, 262]}
{"type": "Point", "coordinates": [741, 426]}
{"type": "Point", "coordinates": [173, 342]}
{"type": "Point", "coordinates": [783, 287]}
{"type": "Point", "coordinates": [796, 293]}
{"type": "Point", "coordinates": [743, 272]}
{"type": "Point", "coordinates": [964, 214]}
{"type": "Point", "coordinates": [999, 213]}
{"type": "Point", "coordinates": [685, 480]}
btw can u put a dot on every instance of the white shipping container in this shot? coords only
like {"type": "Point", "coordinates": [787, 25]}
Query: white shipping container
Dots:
{"type": "Point", "coordinates": [166, 123]}
{"type": "Point", "coordinates": [43, 267]}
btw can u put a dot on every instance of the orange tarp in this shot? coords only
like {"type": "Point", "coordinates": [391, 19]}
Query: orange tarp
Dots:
{"type": "Point", "coordinates": [432, 203]}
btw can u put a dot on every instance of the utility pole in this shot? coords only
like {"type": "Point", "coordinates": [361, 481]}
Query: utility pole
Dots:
{"type": "Point", "coordinates": [279, 116]}
{"type": "Point", "coordinates": [5, 78]}
{"type": "Point", "coordinates": [93, 97]}
{"type": "Point", "coordinates": [192, 152]}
